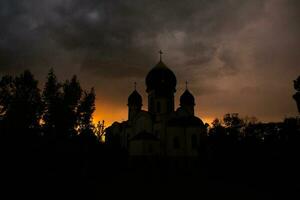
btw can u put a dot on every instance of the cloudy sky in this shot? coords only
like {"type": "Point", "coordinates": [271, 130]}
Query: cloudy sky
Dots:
{"type": "Point", "coordinates": [237, 55]}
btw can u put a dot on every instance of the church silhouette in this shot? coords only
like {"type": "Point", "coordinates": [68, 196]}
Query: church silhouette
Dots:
{"type": "Point", "coordinates": [162, 131]}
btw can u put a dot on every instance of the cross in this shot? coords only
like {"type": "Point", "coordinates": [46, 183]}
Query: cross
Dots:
{"type": "Point", "coordinates": [160, 54]}
{"type": "Point", "coordinates": [186, 85]}
{"type": "Point", "coordinates": [134, 85]}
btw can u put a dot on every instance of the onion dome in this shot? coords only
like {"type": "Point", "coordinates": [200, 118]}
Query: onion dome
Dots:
{"type": "Point", "coordinates": [187, 98]}
{"type": "Point", "coordinates": [135, 99]}
{"type": "Point", "coordinates": [161, 78]}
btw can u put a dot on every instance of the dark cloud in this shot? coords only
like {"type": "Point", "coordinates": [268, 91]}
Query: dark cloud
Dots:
{"type": "Point", "coordinates": [109, 30]}
{"type": "Point", "coordinates": [219, 46]}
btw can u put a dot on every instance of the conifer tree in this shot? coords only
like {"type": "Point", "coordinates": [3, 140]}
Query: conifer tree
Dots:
{"type": "Point", "coordinates": [21, 104]}
{"type": "Point", "coordinates": [52, 98]}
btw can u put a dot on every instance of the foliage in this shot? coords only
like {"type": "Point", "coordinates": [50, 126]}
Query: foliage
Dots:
{"type": "Point", "coordinates": [21, 103]}
{"type": "Point", "coordinates": [6, 93]}
{"type": "Point", "coordinates": [86, 110]}
{"type": "Point", "coordinates": [70, 101]}
{"type": "Point", "coordinates": [60, 111]}
{"type": "Point", "coordinates": [52, 97]}
{"type": "Point", "coordinates": [233, 121]}
{"type": "Point", "coordinates": [297, 84]}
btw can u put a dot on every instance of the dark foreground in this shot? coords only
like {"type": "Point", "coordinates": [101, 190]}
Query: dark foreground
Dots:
{"type": "Point", "coordinates": [218, 180]}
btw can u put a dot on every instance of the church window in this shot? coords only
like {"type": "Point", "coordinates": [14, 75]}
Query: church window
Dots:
{"type": "Point", "coordinates": [176, 143]}
{"type": "Point", "coordinates": [194, 141]}
{"type": "Point", "coordinates": [158, 107]}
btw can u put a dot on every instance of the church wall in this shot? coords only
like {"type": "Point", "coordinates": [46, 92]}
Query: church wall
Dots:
{"type": "Point", "coordinates": [126, 135]}
{"type": "Point", "coordinates": [157, 130]}
{"type": "Point", "coordinates": [175, 141]}
{"type": "Point", "coordinates": [193, 140]}
{"type": "Point", "coordinates": [144, 148]}
{"type": "Point", "coordinates": [143, 122]}
{"type": "Point", "coordinates": [182, 136]}
{"type": "Point", "coordinates": [113, 134]}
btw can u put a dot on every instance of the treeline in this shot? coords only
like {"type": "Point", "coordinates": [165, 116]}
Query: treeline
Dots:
{"type": "Point", "coordinates": [60, 111]}
{"type": "Point", "coordinates": [247, 148]}
{"type": "Point", "coordinates": [50, 130]}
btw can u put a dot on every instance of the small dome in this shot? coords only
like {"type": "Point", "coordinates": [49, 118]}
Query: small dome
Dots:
{"type": "Point", "coordinates": [161, 78]}
{"type": "Point", "coordinates": [135, 99]}
{"type": "Point", "coordinates": [187, 98]}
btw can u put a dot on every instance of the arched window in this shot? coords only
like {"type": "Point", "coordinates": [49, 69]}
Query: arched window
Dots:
{"type": "Point", "coordinates": [158, 107]}
{"type": "Point", "coordinates": [194, 141]}
{"type": "Point", "coordinates": [176, 143]}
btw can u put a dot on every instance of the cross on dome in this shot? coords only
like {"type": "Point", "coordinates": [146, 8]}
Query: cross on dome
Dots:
{"type": "Point", "coordinates": [160, 55]}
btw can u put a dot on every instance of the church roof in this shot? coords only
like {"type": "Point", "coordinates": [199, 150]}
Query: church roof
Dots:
{"type": "Point", "coordinates": [161, 78]}
{"type": "Point", "coordinates": [185, 121]}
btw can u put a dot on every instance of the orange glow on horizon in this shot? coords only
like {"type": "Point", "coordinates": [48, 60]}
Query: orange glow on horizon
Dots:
{"type": "Point", "coordinates": [112, 113]}
{"type": "Point", "coordinates": [109, 113]}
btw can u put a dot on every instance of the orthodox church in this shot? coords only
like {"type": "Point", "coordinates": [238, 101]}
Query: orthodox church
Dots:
{"type": "Point", "coordinates": [161, 131]}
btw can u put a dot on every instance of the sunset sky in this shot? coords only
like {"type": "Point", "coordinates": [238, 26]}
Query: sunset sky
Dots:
{"type": "Point", "coordinates": [237, 55]}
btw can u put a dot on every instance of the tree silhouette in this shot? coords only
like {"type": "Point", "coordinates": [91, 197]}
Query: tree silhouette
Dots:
{"type": "Point", "coordinates": [233, 124]}
{"type": "Point", "coordinates": [86, 128]}
{"type": "Point", "coordinates": [6, 94]}
{"type": "Point", "coordinates": [100, 130]}
{"type": "Point", "coordinates": [297, 84]}
{"type": "Point", "coordinates": [52, 98]}
{"type": "Point", "coordinates": [85, 111]}
{"type": "Point", "coordinates": [70, 101]}
{"type": "Point", "coordinates": [217, 129]}
{"type": "Point", "coordinates": [297, 95]}
{"type": "Point", "coordinates": [6, 87]}
{"type": "Point", "coordinates": [21, 104]}
{"type": "Point", "coordinates": [232, 120]}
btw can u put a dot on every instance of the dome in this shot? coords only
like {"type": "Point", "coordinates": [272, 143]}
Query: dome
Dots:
{"type": "Point", "coordinates": [187, 98]}
{"type": "Point", "coordinates": [161, 78]}
{"type": "Point", "coordinates": [135, 99]}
